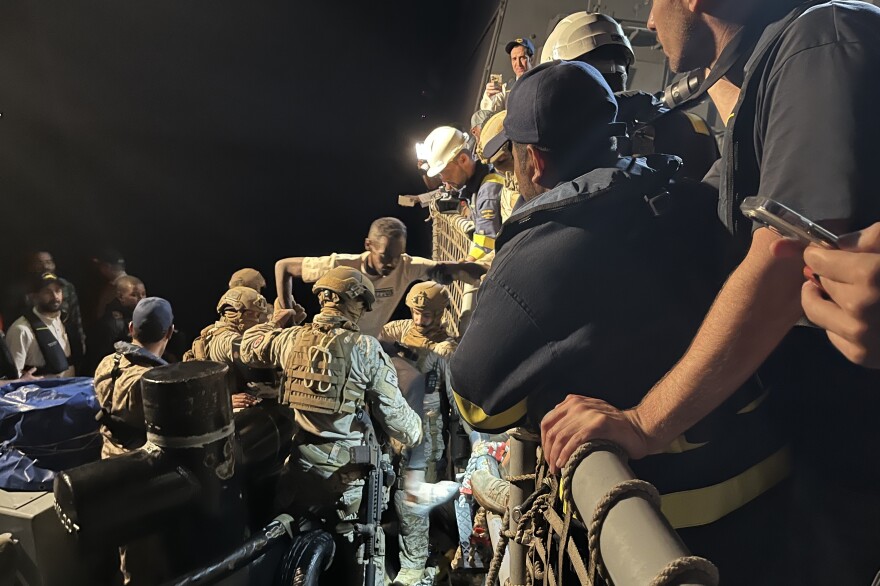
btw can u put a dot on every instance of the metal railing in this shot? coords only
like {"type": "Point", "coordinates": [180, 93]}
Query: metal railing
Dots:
{"type": "Point", "coordinates": [451, 241]}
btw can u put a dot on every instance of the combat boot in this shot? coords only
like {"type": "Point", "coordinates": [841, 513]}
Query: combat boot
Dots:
{"type": "Point", "coordinates": [490, 491]}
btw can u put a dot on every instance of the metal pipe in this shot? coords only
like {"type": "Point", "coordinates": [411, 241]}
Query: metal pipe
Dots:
{"type": "Point", "coordinates": [637, 541]}
{"type": "Point", "coordinates": [523, 458]}
{"type": "Point", "coordinates": [277, 532]}
{"type": "Point", "coordinates": [122, 498]}
{"type": "Point", "coordinates": [494, 523]}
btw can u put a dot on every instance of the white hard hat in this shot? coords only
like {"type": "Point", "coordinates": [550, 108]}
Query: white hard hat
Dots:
{"type": "Point", "coordinates": [441, 146]}
{"type": "Point", "coordinates": [579, 33]}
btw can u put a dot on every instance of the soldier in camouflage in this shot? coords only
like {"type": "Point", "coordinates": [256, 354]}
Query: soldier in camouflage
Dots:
{"type": "Point", "coordinates": [425, 341]}
{"type": "Point", "coordinates": [239, 308]}
{"type": "Point", "coordinates": [333, 374]}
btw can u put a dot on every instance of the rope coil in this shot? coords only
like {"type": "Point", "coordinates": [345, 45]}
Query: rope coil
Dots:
{"type": "Point", "coordinates": [540, 522]}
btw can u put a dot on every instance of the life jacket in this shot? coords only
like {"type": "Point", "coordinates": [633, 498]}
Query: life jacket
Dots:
{"type": "Point", "coordinates": [56, 361]}
{"type": "Point", "coordinates": [316, 374]}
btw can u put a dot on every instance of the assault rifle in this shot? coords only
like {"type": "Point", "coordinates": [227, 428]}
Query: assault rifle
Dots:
{"type": "Point", "coordinates": [379, 475]}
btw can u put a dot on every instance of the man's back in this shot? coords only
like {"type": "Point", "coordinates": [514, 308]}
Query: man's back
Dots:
{"type": "Point", "coordinates": [369, 379]}
{"type": "Point", "coordinates": [590, 294]}
{"type": "Point", "coordinates": [117, 386]}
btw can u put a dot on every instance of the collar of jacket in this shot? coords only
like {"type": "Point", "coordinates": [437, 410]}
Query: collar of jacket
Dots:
{"type": "Point", "coordinates": [334, 319]}
{"type": "Point", "coordinates": [643, 173]}
{"type": "Point", "coordinates": [138, 354]}
{"type": "Point", "coordinates": [476, 180]}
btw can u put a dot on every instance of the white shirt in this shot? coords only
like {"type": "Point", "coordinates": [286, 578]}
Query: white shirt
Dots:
{"type": "Point", "coordinates": [23, 345]}
{"type": "Point", "coordinates": [389, 289]}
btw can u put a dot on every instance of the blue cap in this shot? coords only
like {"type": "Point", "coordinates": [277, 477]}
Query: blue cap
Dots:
{"type": "Point", "coordinates": [530, 48]}
{"type": "Point", "coordinates": [557, 105]}
{"type": "Point", "coordinates": [152, 317]}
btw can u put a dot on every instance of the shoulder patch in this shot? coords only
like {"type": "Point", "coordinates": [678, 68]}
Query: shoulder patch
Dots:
{"type": "Point", "coordinates": [391, 376]}
{"type": "Point", "coordinates": [258, 340]}
{"type": "Point", "coordinates": [487, 214]}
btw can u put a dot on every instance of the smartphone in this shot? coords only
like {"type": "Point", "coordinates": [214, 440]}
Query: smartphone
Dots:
{"type": "Point", "coordinates": [787, 222]}
{"type": "Point", "coordinates": [496, 78]}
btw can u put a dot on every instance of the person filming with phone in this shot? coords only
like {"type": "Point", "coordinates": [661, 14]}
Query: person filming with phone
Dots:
{"type": "Point", "coordinates": [522, 58]}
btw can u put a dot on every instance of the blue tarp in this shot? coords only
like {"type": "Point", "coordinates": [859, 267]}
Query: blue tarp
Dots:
{"type": "Point", "coordinates": [46, 426]}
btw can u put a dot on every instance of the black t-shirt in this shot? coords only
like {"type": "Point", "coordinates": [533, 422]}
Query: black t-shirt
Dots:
{"type": "Point", "coordinates": [816, 119]}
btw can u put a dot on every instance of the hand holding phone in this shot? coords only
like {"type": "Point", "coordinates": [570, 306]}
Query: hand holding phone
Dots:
{"type": "Point", "coordinates": [786, 222]}
{"type": "Point", "coordinates": [495, 84]}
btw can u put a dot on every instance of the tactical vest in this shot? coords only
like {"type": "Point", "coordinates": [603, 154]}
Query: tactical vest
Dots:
{"type": "Point", "coordinates": [316, 375]}
{"type": "Point", "coordinates": [53, 353]}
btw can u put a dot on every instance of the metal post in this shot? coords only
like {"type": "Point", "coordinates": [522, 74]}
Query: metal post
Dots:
{"type": "Point", "coordinates": [493, 521]}
{"type": "Point", "coordinates": [523, 458]}
{"type": "Point", "coordinates": [637, 541]}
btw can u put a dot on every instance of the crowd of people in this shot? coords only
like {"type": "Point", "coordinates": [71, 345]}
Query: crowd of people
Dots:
{"type": "Point", "coordinates": [622, 296]}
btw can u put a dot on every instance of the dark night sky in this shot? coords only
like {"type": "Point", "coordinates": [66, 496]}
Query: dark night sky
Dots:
{"type": "Point", "coordinates": [199, 137]}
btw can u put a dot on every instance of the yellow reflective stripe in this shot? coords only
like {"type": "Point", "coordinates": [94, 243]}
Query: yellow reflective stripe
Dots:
{"type": "Point", "coordinates": [701, 506]}
{"type": "Point", "coordinates": [493, 178]}
{"type": "Point", "coordinates": [754, 404]}
{"type": "Point", "coordinates": [680, 445]}
{"type": "Point", "coordinates": [476, 253]}
{"type": "Point", "coordinates": [484, 241]}
{"type": "Point", "coordinates": [700, 126]}
{"type": "Point", "coordinates": [479, 419]}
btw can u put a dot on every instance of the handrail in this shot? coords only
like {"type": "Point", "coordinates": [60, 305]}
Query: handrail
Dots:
{"type": "Point", "coordinates": [636, 543]}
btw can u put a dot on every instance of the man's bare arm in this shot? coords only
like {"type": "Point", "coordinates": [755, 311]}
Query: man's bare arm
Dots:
{"type": "Point", "coordinates": [285, 270]}
{"type": "Point", "coordinates": [755, 309]}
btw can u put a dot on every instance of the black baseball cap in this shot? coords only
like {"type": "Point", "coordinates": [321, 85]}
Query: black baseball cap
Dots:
{"type": "Point", "coordinates": [43, 280]}
{"type": "Point", "coordinates": [527, 43]}
{"type": "Point", "coordinates": [557, 105]}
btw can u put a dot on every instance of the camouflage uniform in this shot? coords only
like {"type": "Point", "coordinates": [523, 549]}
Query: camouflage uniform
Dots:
{"type": "Point", "coordinates": [321, 448]}
{"type": "Point", "coordinates": [117, 385]}
{"type": "Point", "coordinates": [430, 353]}
{"type": "Point", "coordinates": [118, 388]}
{"type": "Point", "coordinates": [220, 342]}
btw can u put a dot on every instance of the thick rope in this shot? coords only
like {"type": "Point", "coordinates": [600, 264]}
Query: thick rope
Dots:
{"type": "Point", "coordinates": [624, 490]}
{"type": "Point", "coordinates": [695, 569]}
{"type": "Point", "coordinates": [503, 538]}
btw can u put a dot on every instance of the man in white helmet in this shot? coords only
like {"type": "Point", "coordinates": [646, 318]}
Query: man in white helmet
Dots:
{"type": "Point", "coordinates": [522, 58]}
{"type": "Point", "coordinates": [385, 263]}
{"type": "Point", "coordinates": [600, 41]}
{"type": "Point", "coordinates": [450, 158]}
{"type": "Point", "coordinates": [239, 309]}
